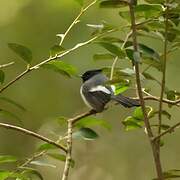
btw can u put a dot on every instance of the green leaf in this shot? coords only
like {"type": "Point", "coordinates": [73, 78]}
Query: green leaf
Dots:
{"type": "Point", "coordinates": [60, 157]}
{"type": "Point", "coordinates": [92, 121]}
{"type": "Point", "coordinates": [7, 159]}
{"type": "Point", "coordinates": [86, 134]}
{"type": "Point", "coordinates": [149, 52]}
{"type": "Point", "coordinates": [4, 174]}
{"type": "Point", "coordinates": [138, 113]}
{"type": "Point", "coordinates": [131, 123]}
{"type": "Point", "coordinates": [2, 76]}
{"type": "Point", "coordinates": [12, 102]}
{"type": "Point", "coordinates": [103, 56]}
{"type": "Point", "coordinates": [163, 126]}
{"type": "Point", "coordinates": [171, 95]}
{"type": "Point", "coordinates": [56, 49]}
{"type": "Point", "coordinates": [113, 49]}
{"type": "Point", "coordinates": [30, 173]}
{"type": "Point", "coordinates": [21, 51]}
{"type": "Point", "coordinates": [113, 4]}
{"type": "Point", "coordinates": [148, 10]}
{"type": "Point", "coordinates": [148, 76]}
{"type": "Point", "coordinates": [80, 2]}
{"type": "Point", "coordinates": [42, 163]}
{"type": "Point", "coordinates": [120, 88]}
{"type": "Point", "coordinates": [170, 174]}
{"type": "Point", "coordinates": [9, 114]}
{"type": "Point", "coordinates": [61, 67]}
{"type": "Point", "coordinates": [46, 146]}
{"type": "Point", "coordinates": [164, 112]}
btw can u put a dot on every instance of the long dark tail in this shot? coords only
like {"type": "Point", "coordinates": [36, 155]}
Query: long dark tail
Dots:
{"type": "Point", "coordinates": [125, 101]}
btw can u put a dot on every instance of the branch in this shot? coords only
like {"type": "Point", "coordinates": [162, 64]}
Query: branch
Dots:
{"type": "Point", "coordinates": [163, 74]}
{"type": "Point", "coordinates": [76, 20]}
{"type": "Point", "coordinates": [69, 151]}
{"type": "Point", "coordinates": [33, 134]}
{"type": "Point", "coordinates": [169, 130]}
{"type": "Point", "coordinates": [113, 66]}
{"type": "Point", "coordinates": [6, 65]}
{"type": "Point", "coordinates": [71, 122]}
{"type": "Point", "coordinates": [140, 93]}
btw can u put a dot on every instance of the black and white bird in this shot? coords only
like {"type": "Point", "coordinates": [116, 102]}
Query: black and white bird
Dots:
{"type": "Point", "coordinates": [96, 93]}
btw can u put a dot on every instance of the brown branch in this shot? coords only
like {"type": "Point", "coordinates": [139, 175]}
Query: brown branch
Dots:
{"type": "Point", "coordinates": [163, 81]}
{"type": "Point", "coordinates": [33, 134]}
{"type": "Point", "coordinates": [140, 93]}
{"type": "Point", "coordinates": [14, 80]}
{"type": "Point", "coordinates": [69, 151]}
{"type": "Point", "coordinates": [72, 122]}
{"type": "Point", "coordinates": [169, 130]}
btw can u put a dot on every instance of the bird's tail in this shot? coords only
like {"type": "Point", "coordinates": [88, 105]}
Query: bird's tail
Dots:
{"type": "Point", "coordinates": [125, 101]}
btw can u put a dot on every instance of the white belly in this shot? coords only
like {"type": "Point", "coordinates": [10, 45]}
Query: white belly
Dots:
{"type": "Point", "coordinates": [84, 98]}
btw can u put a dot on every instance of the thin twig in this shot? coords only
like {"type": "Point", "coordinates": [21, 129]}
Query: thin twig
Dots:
{"type": "Point", "coordinates": [14, 80]}
{"type": "Point", "coordinates": [6, 65]}
{"type": "Point", "coordinates": [116, 58]}
{"type": "Point", "coordinates": [140, 93]}
{"type": "Point", "coordinates": [72, 122]}
{"type": "Point", "coordinates": [69, 151]}
{"type": "Point", "coordinates": [33, 134]}
{"type": "Point", "coordinates": [29, 160]}
{"type": "Point", "coordinates": [163, 74]}
{"type": "Point", "coordinates": [76, 20]}
{"type": "Point", "coordinates": [113, 66]}
{"type": "Point", "coordinates": [169, 130]}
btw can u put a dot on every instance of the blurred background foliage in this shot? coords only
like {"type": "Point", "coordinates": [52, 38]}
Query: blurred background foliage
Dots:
{"type": "Point", "coordinates": [47, 95]}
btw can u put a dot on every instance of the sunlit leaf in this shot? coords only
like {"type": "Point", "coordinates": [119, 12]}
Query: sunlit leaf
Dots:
{"type": "Point", "coordinates": [46, 146]}
{"type": "Point", "coordinates": [7, 159]}
{"type": "Point", "coordinates": [86, 134]}
{"type": "Point", "coordinates": [120, 88]}
{"type": "Point", "coordinates": [131, 123]}
{"type": "Point", "coordinates": [61, 67]}
{"type": "Point", "coordinates": [2, 76]}
{"type": "Point", "coordinates": [4, 174]}
{"type": "Point", "coordinates": [92, 121]}
{"type": "Point", "coordinates": [138, 113]}
{"type": "Point", "coordinates": [21, 51]}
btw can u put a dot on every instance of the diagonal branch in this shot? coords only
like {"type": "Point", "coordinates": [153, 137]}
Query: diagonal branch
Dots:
{"type": "Point", "coordinates": [33, 134]}
{"type": "Point", "coordinates": [169, 130]}
{"type": "Point", "coordinates": [140, 93]}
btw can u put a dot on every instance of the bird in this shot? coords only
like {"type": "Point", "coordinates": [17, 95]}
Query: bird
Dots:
{"type": "Point", "coordinates": [96, 93]}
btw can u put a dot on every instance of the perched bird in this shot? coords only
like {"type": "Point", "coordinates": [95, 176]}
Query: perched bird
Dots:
{"type": "Point", "coordinates": [96, 93]}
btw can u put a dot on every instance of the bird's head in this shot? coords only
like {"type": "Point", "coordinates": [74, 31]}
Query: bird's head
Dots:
{"type": "Point", "coordinates": [89, 74]}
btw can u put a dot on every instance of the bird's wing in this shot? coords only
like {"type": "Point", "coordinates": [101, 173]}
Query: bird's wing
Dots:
{"type": "Point", "coordinates": [97, 97]}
